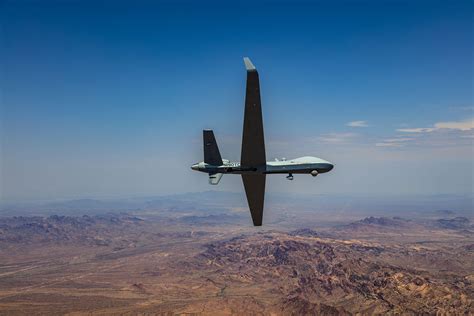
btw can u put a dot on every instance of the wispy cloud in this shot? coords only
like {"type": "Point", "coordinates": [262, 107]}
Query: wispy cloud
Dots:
{"type": "Point", "coordinates": [460, 125]}
{"type": "Point", "coordinates": [388, 144]}
{"type": "Point", "coordinates": [465, 125]}
{"type": "Point", "coordinates": [357, 124]}
{"type": "Point", "coordinates": [336, 138]}
{"type": "Point", "coordinates": [448, 134]}
{"type": "Point", "coordinates": [394, 142]}
{"type": "Point", "coordinates": [398, 139]}
{"type": "Point", "coordinates": [416, 130]}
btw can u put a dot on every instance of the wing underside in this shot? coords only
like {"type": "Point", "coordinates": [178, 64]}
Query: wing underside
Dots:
{"type": "Point", "coordinates": [253, 143]}
{"type": "Point", "coordinates": [254, 185]}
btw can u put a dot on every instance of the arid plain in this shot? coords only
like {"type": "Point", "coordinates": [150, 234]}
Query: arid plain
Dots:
{"type": "Point", "coordinates": [165, 260]}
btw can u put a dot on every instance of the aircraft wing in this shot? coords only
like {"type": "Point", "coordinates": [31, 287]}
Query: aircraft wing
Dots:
{"type": "Point", "coordinates": [253, 143]}
{"type": "Point", "coordinates": [254, 185]}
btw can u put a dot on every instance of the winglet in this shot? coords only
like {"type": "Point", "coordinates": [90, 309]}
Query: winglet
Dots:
{"type": "Point", "coordinates": [249, 65]}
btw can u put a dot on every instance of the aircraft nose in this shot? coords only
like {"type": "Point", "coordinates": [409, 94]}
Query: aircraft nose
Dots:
{"type": "Point", "coordinates": [195, 167]}
{"type": "Point", "coordinates": [328, 166]}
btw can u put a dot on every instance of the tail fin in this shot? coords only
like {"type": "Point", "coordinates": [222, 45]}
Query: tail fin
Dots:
{"type": "Point", "coordinates": [214, 178]}
{"type": "Point", "coordinates": [212, 155]}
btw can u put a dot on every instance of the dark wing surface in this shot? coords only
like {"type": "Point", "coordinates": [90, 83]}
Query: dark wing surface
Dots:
{"type": "Point", "coordinates": [255, 190]}
{"type": "Point", "coordinates": [212, 155]}
{"type": "Point", "coordinates": [253, 143]}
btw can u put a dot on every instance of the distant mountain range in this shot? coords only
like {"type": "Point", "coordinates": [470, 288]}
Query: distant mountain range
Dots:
{"type": "Point", "coordinates": [88, 230]}
{"type": "Point", "coordinates": [220, 202]}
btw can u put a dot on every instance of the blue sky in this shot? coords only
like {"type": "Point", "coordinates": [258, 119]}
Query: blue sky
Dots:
{"type": "Point", "coordinates": [109, 99]}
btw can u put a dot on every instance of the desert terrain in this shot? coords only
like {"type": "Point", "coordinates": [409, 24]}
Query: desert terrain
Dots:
{"type": "Point", "coordinates": [162, 260]}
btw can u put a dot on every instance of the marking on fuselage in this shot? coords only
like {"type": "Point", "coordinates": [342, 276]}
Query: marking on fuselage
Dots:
{"type": "Point", "coordinates": [233, 164]}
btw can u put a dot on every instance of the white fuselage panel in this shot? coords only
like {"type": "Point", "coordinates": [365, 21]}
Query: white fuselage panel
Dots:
{"type": "Point", "coordinates": [299, 165]}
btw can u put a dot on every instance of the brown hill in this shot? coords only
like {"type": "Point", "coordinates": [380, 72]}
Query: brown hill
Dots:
{"type": "Point", "coordinates": [324, 276]}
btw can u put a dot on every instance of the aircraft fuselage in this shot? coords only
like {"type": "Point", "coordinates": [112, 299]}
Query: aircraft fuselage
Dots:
{"type": "Point", "coordinates": [309, 165]}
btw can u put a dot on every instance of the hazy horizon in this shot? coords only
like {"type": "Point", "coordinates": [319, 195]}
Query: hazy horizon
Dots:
{"type": "Point", "coordinates": [238, 191]}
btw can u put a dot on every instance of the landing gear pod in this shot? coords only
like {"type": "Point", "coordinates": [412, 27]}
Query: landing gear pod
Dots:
{"type": "Point", "coordinates": [289, 176]}
{"type": "Point", "coordinates": [314, 173]}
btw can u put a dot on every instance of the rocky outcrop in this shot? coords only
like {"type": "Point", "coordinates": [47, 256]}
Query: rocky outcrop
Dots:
{"type": "Point", "coordinates": [316, 276]}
